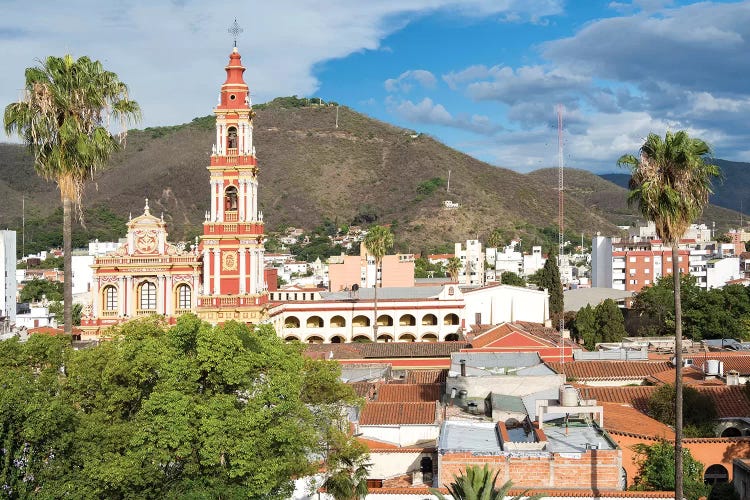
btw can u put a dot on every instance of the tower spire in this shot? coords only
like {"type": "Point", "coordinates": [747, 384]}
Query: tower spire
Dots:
{"type": "Point", "coordinates": [235, 30]}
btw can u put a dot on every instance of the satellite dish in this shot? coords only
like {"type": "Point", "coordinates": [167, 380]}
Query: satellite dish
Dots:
{"type": "Point", "coordinates": [355, 287]}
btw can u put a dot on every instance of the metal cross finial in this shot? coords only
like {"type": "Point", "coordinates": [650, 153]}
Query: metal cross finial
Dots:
{"type": "Point", "coordinates": [235, 30]}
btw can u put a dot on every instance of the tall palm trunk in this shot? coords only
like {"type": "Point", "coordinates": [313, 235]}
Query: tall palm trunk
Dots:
{"type": "Point", "coordinates": [68, 265]}
{"type": "Point", "coordinates": [375, 307]}
{"type": "Point", "coordinates": [678, 472]}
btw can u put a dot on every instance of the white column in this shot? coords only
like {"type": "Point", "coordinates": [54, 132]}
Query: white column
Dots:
{"type": "Point", "coordinates": [213, 200]}
{"type": "Point", "coordinates": [249, 200]}
{"type": "Point", "coordinates": [220, 196]}
{"type": "Point", "coordinates": [222, 140]}
{"type": "Point", "coordinates": [194, 292]}
{"type": "Point", "coordinates": [97, 294]}
{"type": "Point", "coordinates": [217, 271]}
{"type": "Point", "coordinates": [121, 306]}
{"type": "Point", "coordinates": [261, 265]}
{"type": "Point", "coordinates": [218, 139]}
{"type": "Point", "coordinates": [254, 207]}
{"type": "Point", "coordinates": [243, 278]}
{"type": "Point", "coordinates": [130, 302]}
{"type": "Point", "coordinates": [160, 295]}
{"type": "Point", "coordinates": [169, 311]}
{"type": "Point", "coordinates": [242, 197]}
{"type": "Point", "coordinates": [206, 269]}
{"type": "Point", "coordinates": [253, 288]}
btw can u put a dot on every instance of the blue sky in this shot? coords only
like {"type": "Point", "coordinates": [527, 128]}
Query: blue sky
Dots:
{"type": "Point", "coordinates": [483, 76]}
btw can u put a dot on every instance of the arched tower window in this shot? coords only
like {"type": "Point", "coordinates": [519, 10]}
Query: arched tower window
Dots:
{"type": "Point", "coordinates": [110, 298]}
{"type": "Point", "coordinates": [230, 198]}
{"type": "Point", "coordinates": [184, 297]}
{"type": "Point", "coordinates": [232, 137]}
{"type": "Point", "coordinates": [147, 296]}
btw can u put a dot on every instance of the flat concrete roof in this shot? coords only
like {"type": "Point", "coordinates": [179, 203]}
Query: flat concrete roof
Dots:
{"type": "Point", "coordinates": [477, 437]}
{"type": "Point", "coordinates": [481, 438]}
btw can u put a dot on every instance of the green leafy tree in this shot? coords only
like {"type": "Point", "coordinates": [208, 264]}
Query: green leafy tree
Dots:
{"type": "Point", "coordinates": [453, 267]}
{"type": "Point", "coordinates": [699, 410]}
{"type": "Point", "coordinates": [550, 280]}
{"type": "Point", "coordinates": [610, 324]}
{"type": "Point", "coordinates": [670, 183]}
{"type": "Point", "coordinates": [512, 279]}
{"type": "Point", "coordinates": [424, 269]}
{"type": "Point", "coordinates": [378, 241]}
{"type": "Point", "coordinates": [585, 325]}
{"type": "Point", "coordinates": [64, 119]}
{"type": "Point", "coordinates": [496, 239]}
{"type": "Point", "coordinates": [191, 411]}
{"type": "Point", "coordinates": [478, 483]}
{"type": "Point", "coordinates": [37, 289]}
{"type": "Point", "coordinates": [656, 464]}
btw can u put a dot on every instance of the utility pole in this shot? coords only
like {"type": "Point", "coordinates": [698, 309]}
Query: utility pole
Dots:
{"type": "Point", "coordinates": [448, 189]}
{"type": "Point", "coordinates": [561, 219]}
{"type": "Point", "coordinates": [337, 116]}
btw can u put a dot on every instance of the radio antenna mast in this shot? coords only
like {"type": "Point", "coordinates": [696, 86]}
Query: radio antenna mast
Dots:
{"type": "Point", "coordinates": [560, 215]}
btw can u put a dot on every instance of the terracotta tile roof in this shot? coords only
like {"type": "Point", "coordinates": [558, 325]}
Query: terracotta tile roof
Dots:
{"type": "Point", "coordinates": [609, 370]}
{"type": "Point", "coordinates": [624, 419]}
{"type": "Point", "coordinates": [398, 414]}
{"type": "Point", "coordinates": [426, 376]}
{"type": "Point", "coordinates": [380, 350]}
{"type": "Point", "coordinates": [730, 401]}
{"type": "Point", "coordinates": [376, 446]}
{"type": "Point", "coordinates": [739, 361]}
{"type": "Point", "coordinates": [391, 393]}
{"type": "Point", "coordinates": [635, 396]}
{"type": "Point", "coordinates": [362, 389]}
{"type": "Point", "coordinates": [690, 376]}
{"type": "Point", "coordinates": [536, 333]}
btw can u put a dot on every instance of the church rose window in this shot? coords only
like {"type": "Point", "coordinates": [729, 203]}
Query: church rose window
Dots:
{"type": "Point", "coordinates": [148, 296]}
{"type": "Point", "coordinates": [110, 298]}
{"type": "Point", "coordinates": [183, 297]}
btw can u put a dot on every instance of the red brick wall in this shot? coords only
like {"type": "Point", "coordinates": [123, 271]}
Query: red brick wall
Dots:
{"type": "Point", "coordinates": [594, 469]}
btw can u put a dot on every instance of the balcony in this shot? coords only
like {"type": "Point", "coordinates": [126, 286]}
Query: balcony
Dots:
{"type": "Point", "coordinates": [110, 314]}
{"type": "Point", "coordinates": [231, 154]}
{"type": "Point", "coordinates": [231, 216]}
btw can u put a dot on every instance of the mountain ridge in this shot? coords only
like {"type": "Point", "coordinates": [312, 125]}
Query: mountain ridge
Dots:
{"type": "Point", "coordinates": [311, 170]}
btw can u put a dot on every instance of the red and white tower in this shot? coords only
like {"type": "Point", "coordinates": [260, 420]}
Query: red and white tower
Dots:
{"type": "Point", "coordinates": [234, 286]}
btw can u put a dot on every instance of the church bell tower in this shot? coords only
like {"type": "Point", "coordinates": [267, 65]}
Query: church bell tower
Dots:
{"type": "Point", "coordinates": [234, 286]}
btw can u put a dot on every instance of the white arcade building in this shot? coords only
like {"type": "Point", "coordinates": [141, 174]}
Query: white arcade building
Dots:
{"type": "Point", "coordinates": [411, 314]}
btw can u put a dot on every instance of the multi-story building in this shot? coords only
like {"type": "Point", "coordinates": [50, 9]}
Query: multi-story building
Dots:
{"type": "Point", "coordinates": [630, 265]}
{"type": "Point", "coordinates": [347, 270]}
{"type": "Point", "coordinates": [8, 285]}
{"type": "Point", "coordinates": [472, 263]}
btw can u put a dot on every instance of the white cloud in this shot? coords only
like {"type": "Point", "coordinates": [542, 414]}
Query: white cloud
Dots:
{"type": "Point", "coordinates": [428, 112]}
{"type": "Point", "coordinates": [405, 80]}
{"type": "Point", "coordinates": [172, 54]}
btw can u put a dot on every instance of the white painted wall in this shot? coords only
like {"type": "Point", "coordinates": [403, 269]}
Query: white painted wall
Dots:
{"type": "Point", "coordinates": [510, 385]}
{"type": "Point", "coordinates": [8, 283]}
{"type": "Point", "coordinates": [400, 435]}
{"type": "Point", "coordinates": [83, 275]}
{"type": "Point", "coordinates": [386, 465]}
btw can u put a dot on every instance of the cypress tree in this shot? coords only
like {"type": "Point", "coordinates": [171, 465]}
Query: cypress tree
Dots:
{"type": "Point", "coordinates": [550, 280]}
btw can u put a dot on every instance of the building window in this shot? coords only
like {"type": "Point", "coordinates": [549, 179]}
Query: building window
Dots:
{"type": "Point", "coordinates": [648, 282]}
{"type": "Point", "coordinates": [148, 296]}
{"type": "Point", "coordinates": [632, 259]}
{"type": "Point", "coordinates": [647, 259]}
{"type": "Point", "coordinates": [184, 297]}
{"type": "Point", "coordinates": [647, 271]}
{"type": "Point", "coordinates": [110, 298]}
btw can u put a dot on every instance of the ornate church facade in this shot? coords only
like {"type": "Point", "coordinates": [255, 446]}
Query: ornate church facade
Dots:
{"type": "Point", "coordinates": [222, 277]}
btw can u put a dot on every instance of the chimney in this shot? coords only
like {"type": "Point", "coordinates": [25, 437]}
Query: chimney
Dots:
{"type": "Point", "coordinates": [463, 367]}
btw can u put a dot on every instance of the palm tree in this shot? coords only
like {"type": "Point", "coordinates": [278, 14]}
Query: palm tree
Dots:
{"type": "Point", "coordinates": [453, 267]}
{"type": "Point", "coordinates": [670, 182]}
{"type": "Point", "coordinates": [64, 119]}
{"type": "Point", "coordinates": [478, 483]}
{"type": "Point", "coordinates": [347, 467]}
{"type": "Point", "coordinates": [378, 241]}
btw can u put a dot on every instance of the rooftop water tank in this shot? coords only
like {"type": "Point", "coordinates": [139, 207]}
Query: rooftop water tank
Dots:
{"type": "Point", "coordinates": [712, 367]}
{"type": "Point", "coordinates": [568, 395]}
